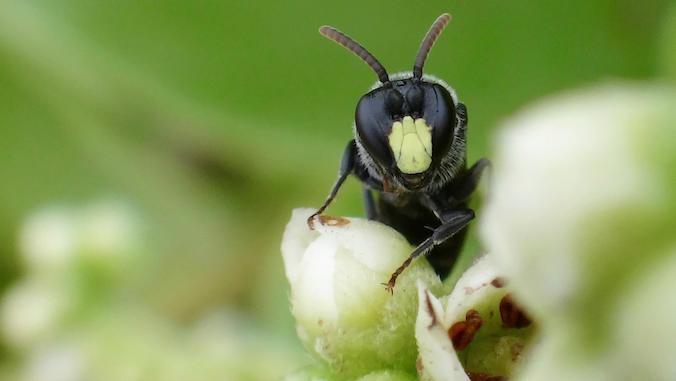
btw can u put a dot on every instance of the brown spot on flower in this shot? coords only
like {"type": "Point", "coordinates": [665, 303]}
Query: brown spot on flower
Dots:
{"type": "Point", "coordinates": [516, 351]}
{"type": "Point", "coordinates": [484, 377]}
{"type": "Point", "coordinates": [498, 282]}
{"type": "Point", "coordinates": [472, 315]}
{"type": "Point", "coordinates": [430, 309]}
{"type": "Point", "coordinates": [333, 221]}
{"type": "Point", "coordinates": [512, 316]}
{"type": "Point", "coordinates": [419, 365]}
{"type": "Point", "coordinates": [462, 333]}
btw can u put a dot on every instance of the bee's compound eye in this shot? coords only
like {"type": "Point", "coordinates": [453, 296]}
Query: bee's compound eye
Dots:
{"type": "Point", "coordinates": [415, 98]}
{"type": "Point", "coordinates": [394, 102]}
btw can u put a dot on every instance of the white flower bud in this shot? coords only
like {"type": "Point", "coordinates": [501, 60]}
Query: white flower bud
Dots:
{"type": "Point", "coordinates": [583, 189]}
{"type": "Point", "coordinates": [31, 311]}
{"type": "Point", "coordinates": [48, 239]}
{"type": "Point", "coordinates": [73, 257]}
{"type": "Point", "coordinates": [344, 314]}
{"type": "Point", "coordinates": [58, 361]}
{"type": "Point", "coordinates": [55, 238]}
{"type": "Point", "coordinates": [582, 220]}
{"type": "Point", "coordinates": [645, 323]}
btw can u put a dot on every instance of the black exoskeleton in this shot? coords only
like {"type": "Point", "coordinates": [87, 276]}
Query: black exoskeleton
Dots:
{"type": "Point", "coordinates": [410, 149]}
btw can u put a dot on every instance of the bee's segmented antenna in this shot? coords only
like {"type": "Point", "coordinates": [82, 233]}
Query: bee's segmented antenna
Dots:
{"type": "Point", "coordinates": [334, 34]}
{"type": "Point", "coordinates": [426, 45]}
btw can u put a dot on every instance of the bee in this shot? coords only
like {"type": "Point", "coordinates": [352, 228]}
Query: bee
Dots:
{"type": "Point", "coordinates": [409, 148]}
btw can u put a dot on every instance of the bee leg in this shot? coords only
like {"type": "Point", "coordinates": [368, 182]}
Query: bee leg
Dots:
{"type": "Point", "coordinates": [370, 205]}
{"type": "Point", "coordinates": [468, 184]}
{"type": "Point", "coordinates": [346, 167]}
{"type": "Point", "coordinates": [452, 222]}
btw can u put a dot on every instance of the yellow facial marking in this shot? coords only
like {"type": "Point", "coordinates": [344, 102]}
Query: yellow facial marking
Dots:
{"type": "Point", "coordinates": [411, 143]}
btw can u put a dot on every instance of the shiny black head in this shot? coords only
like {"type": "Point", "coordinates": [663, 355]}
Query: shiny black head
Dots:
{"type": "Point", "coordinates": [405, 125]}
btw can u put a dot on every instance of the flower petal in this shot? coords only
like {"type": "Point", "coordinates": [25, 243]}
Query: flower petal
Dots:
{"type": "Point", "coordinates": [437, 358]}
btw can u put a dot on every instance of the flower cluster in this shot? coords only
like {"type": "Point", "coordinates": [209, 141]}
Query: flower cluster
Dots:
{"type": "Point", "coordinates": [578, 282]}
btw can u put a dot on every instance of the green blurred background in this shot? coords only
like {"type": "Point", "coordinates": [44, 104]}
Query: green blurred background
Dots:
{"type": "Point", "coordinates": [195, 127]}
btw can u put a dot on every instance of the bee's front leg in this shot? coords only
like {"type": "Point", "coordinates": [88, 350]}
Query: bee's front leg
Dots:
{"type": "Point", "coordinates": [346, 167]}
{"type": "Point", "coordinates": [452, 222]}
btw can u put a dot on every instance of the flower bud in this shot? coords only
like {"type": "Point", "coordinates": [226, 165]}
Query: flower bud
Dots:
{"type": "Point", "coordinates": [75, 258]}
{"type": "Point", "coordinates": [582, 220]}
{"type": "Point", "coordinates": [582, 193]}
{"type": "Point", "coordinates": [56, 239]}
{"type": "Point", "coordinates": [31, 311]}
{"type": "Point", "coordinates": [387, 375]}
{"type": "Point", "coordinates": [482, 332]}
{"type": "Point", "coordinates": [344, 315]}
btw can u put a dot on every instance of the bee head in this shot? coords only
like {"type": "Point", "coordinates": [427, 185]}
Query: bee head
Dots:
{"type": "Point", "coordinates": [405, 125]}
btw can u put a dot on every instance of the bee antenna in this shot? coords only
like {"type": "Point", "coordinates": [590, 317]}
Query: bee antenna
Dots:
{"type": "Point", "coordinates": [427, 43]}
{"type": "Point", "coordinates": [334, 34]}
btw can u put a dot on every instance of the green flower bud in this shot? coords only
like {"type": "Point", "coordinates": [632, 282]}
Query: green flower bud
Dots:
{"type": "Point", "coordinates": [317, 373]}
{"type": "Point", "coordinates": [387, 375]}
{"type": "Point", "coordinates": [344, 315]}
{"type": "Point", "coordinates": [311, 373]}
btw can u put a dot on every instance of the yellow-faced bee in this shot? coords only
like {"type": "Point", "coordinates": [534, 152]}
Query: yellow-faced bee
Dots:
{"type": "Point", "coordinates": [409, 147]}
